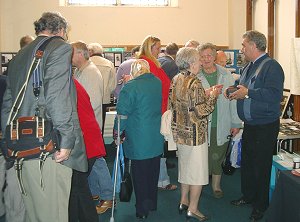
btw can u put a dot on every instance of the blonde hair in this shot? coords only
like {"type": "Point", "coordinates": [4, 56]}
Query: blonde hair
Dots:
{"type": "Point", "coordinates": [145, 49]}
{"type": "Point", "coordinates": [139, 67]}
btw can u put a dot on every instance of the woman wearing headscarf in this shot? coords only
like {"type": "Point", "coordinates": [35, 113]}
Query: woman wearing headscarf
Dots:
{"type": "Point", "coordinates": [140, 102]}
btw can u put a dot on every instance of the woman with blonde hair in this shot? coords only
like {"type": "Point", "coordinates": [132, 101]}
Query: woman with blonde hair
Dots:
{"type": "Point", "coordinates": [149, 50]}
{"type": "Point", "coordinates": [140, 101]}
{"type": "Point", "coordinates": [190, 105]}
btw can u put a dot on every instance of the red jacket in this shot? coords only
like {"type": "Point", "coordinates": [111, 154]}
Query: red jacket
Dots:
{"type": "Point", "coordinates": [165, 81]}
{"type": "Point", "coordinates": [91, 131]}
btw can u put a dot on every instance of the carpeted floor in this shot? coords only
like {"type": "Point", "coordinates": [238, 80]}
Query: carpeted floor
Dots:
{"type": "Point", "coordinates": [219, 210]}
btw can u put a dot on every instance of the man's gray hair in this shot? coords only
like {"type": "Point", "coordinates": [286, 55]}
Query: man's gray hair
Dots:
{"type": "Point", "coordinates": [192, 43]}
{"type": "Point", "coordinates": [185, 57]}
{"type": "Point", "coordinates": [95, 48]}
{"type": "Point", "coordinates": [258, 38]}
{"type": "Point", "coordinates": [52, 22]}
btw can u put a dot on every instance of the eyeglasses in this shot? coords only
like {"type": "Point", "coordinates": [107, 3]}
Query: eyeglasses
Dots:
{"type": "Point", "coordinates": [209, 56]}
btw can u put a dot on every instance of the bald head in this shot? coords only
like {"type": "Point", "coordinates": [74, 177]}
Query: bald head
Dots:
{"type": "Point", "coordinates": [221, 58]}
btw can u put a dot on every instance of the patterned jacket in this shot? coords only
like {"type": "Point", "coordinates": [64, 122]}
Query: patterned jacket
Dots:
{"type": "Point", "coordinates": [190, 108]}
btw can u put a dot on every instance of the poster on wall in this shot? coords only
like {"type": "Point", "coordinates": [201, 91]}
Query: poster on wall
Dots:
{"type": "Point", "coordinates": [115, 57]}
{"type": "Point", "coordinates": [235, 60]}
{"type": "Point", "coordinates": [110, 56]}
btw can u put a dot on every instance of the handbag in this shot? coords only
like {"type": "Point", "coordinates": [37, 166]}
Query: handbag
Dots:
{"type": "Point", "coordinates": [227, 168]}
{"type": "Point", "coordinates": [126, 187]}
{"type": "Point", "coordinates": [29, 137]}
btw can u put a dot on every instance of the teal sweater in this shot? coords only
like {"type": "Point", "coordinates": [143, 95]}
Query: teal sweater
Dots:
{"type": "Point", "coordinates": [140, 100]}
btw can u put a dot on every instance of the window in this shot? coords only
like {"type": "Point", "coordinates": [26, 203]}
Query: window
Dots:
{"type": "Point", "coordinates": [120, 2]}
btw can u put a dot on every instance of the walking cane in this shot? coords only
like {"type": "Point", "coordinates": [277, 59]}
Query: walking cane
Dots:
{"type": "Point", "coordinates": [119, 117]}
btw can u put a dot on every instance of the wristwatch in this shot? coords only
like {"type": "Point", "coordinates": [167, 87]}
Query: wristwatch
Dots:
{"type": "Point", "coordinates": [246, 96]}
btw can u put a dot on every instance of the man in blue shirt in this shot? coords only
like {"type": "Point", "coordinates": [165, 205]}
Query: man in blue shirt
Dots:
{"type": "Point", "coordinates": [258, 105]}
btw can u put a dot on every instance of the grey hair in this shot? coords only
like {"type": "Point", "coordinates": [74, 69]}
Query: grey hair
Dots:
{"type": "Point", "coordinates": [95, 48]}
{"type": "Point", "coordinates": [80, 46]}
{"type": "Point", "coordinates": [207, 45]}
{"type": "Point", "coordinates": [185, 57]}
{"type": "Point", "coordinates": [192, 43]}
{"type": "Point", "coordinates": [258, 38]}
{"type": "Point", "coordinates": [53, 22]}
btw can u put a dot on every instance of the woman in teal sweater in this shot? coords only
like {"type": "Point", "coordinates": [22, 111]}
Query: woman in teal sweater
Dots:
{"type": "Point", "coordinates": [140, 101]}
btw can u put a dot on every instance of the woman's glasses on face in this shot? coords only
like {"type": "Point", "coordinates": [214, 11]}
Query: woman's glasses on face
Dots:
{"type": "Point", "coordinates": [208, 56]}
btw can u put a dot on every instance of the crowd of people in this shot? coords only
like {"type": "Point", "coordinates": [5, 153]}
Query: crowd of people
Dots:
{"type": "Point", "coordinates": [188, 83]}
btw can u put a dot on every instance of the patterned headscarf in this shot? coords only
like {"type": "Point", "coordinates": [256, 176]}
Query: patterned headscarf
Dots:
{"type": "Point", "coordinates": [139, 67]}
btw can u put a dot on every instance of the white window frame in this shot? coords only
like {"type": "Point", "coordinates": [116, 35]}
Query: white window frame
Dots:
{"type": "Point", "coordinates": [119, 3]}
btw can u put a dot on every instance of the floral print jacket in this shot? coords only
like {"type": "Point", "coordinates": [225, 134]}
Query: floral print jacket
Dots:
{"type": "Point", "coordinates": [190, 108]}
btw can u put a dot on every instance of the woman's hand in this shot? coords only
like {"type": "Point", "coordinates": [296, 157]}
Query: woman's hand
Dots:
{"type": "Point", "coordinates": [234, 131]}
{"type": "Point", "coordinates": [115, 137]}
{"type": "Point", "coordinates": [215, 90]}
{"type": "Point", "coordinates": [126, 78]}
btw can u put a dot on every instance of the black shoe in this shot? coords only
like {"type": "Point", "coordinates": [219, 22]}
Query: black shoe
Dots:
{"type": "Point", "coordinates": [256, 215]}
{"type": "Point", "coordinates": [240, 202]}
{"type": "Point", "coordinates": [182, 207]}
{"type": "Point", "coordinates": [141, 216]}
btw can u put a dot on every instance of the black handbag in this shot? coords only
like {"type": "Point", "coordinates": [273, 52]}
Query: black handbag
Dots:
{"type": "Point", "coordinates": [126, 187]}
{"type": "Point", "coordinates": [226, 164]}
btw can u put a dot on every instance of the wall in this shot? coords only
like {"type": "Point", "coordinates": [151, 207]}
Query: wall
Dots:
{"type": "Point", "coordinates": [197, 19]}
{"type": "Point", "coordinates": [237, 22]}
{"type": "Point", "coordinates": [284, 30]}
{"type": "Point", "coordinates": [221, 22]}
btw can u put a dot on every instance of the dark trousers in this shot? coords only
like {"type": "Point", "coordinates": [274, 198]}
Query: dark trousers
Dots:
{"type": "Point", "coordinates": [81, 204]}
{"type": "Point", "coordinates": [145, 177]}
{"type": "Point", "coordinates": [258, 143]}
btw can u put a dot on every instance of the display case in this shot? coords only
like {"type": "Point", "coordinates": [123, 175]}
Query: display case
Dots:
{"type": "Point", "coordinates": [5, 58]}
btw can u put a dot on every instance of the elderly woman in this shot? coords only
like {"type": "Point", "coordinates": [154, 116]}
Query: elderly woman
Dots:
{"type": "Point", "coordinates": [224, 120]}
{"type": "Point", "coordinates": [190, 108]}
{"type": "Point", "coordinates": [140, 100]}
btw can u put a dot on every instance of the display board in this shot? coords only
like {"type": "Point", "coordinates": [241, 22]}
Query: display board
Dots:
{"type": "Point", "coordinates": [5, 58]}
{"type": "Point", "coordinates": [235, 60]}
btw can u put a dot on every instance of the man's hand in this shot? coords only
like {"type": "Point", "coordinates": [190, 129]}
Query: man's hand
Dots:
{"type": "Point", "coordinates": [61, 155]}
{"type": "Point", "coordinates": [240, 93]}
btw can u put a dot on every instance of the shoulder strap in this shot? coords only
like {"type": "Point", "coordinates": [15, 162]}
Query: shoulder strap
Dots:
{"type": "Point", "coordinates": [37, 56]}
{"type": "Point", "coordinates": [261, 65]}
